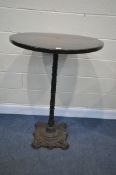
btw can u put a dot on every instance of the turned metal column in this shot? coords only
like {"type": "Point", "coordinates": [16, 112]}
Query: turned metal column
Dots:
{"type": "Point", "coordinates": [51, 135]}
{"type": "Point", "coordinates": [51, 121]}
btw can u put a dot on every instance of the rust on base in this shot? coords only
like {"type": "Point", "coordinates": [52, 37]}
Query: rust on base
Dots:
{"type": "Point", "coordinates": [50, 137]}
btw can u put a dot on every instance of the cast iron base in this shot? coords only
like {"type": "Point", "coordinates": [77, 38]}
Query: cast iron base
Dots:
{"type": "Point", "coordinates": [50, 137]}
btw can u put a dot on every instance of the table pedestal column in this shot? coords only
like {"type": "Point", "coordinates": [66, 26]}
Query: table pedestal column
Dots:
{"type": "Point", "coordinates": [51, 135]}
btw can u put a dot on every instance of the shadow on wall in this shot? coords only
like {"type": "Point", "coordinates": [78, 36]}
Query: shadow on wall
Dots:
{"type": "Point", "coordinates": [63, 86]}
{"type": "Point", "coordinates": [67, 93]}
{"type": "Point", "coordinates": [39, 93]}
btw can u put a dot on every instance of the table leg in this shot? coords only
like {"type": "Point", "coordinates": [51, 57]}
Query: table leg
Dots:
{"type": "Point", "coordinates": [51, 135]}
{"type": "Point", "coordinates": [53, 90]}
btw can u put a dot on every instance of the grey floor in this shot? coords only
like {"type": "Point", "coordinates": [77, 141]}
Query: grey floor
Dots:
{"type": "Point", "coordinates": [92, 148]}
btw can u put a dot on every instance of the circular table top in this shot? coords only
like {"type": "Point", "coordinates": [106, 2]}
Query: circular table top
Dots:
{"type": "Point", "coordinates": [56, 43]}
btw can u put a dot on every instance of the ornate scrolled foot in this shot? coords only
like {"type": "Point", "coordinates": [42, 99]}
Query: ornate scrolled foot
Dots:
{"type": "Point", "coordinates": [66, 146]}
{"type": "Point", "coordinates": [43, 137]}
{"type": "Point", "coordinates": [35, 145]}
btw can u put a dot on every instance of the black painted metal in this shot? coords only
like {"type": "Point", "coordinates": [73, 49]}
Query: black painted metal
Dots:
{"type": "Point", "coordinates": [53, 90]}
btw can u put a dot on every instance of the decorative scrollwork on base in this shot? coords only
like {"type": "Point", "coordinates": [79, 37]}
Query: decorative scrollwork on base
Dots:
{"type": "Point", "coordinates": [48, 138]}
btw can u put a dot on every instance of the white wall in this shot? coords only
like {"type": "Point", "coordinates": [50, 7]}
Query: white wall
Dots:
{"type": "Point", "coordinates": [87, 80]}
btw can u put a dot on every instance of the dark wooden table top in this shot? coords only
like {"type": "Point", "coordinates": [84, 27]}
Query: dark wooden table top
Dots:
{"type": "Point", "coordinates": [56, 43]}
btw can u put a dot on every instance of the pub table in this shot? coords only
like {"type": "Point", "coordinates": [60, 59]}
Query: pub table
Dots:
{"type": "Point", "coordinates": [52, 135]}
